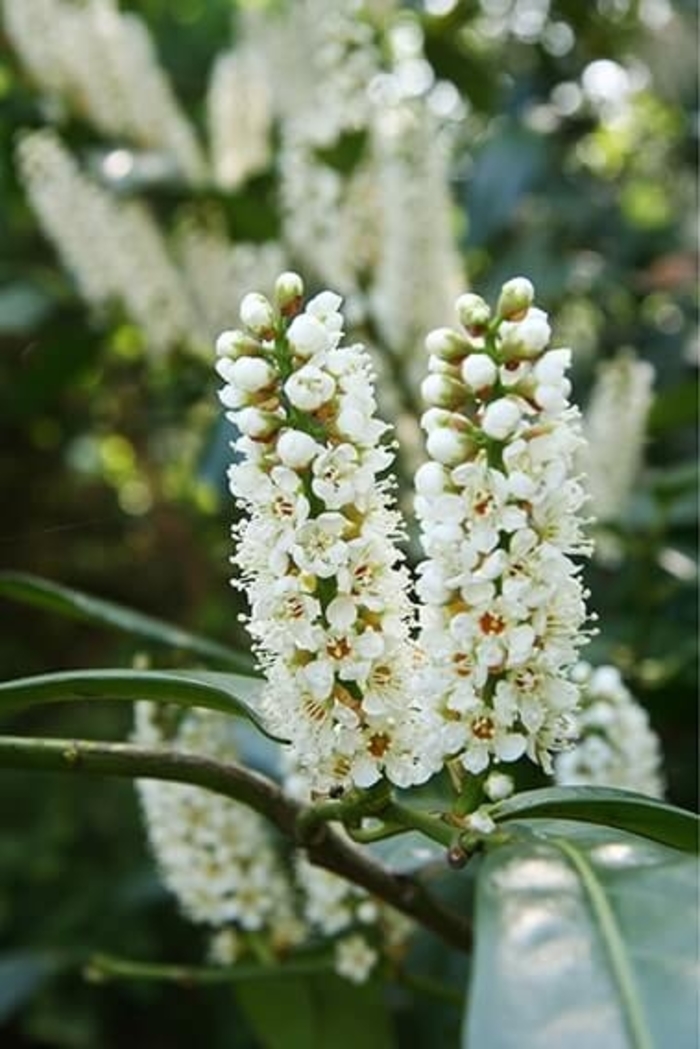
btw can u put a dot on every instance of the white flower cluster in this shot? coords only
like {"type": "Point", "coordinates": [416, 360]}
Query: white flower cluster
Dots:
{"type": "Point", "coordinates": [320, 88]}
{"type": "Point", "coordinates": [616, 418]}
{"type": "Point", "coordinates": [214, 854]}
{"type": "Point", "coordinates": [239, 117]}
{"type": "Point", "coordinates": [362, 928]}
{"type": "Point", "coordinates": [102, 64]}
{"type": "Point", "coordinates": [316, 550]}
{"type": "Point", "coordinates": [114, 249]}
{"type": "Point", "coordinates": [503, 605]}
{"type": "Point", "coordinates": [617, 746]}
{"type": "Point", "coordinates": [118, 255]}
{"type": "Point", "coordinates": [217, 271]}
{"type": "Point", "coordinates": [347, 225]}
{"type": "Point", "coordinates": [418, 272]}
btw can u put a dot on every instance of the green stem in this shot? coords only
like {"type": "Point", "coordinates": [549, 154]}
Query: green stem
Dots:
{"type": "Point", "coordinates": [413, 819]}
{"type": "Point", "coordinates": [471, 795]}
{"type": "Point", "coordinates": [349, 810]}
{"type": "Point", "coordinates": [366, 835]}
{"type": "Point", "coordinates": [327, 850]}
{"type": "Point", "coordinates": [106, 967]}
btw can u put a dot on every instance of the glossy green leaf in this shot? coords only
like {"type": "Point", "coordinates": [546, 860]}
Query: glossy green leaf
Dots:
{"type": "Point", "coordinates": [227, 693]}
{"type": "Point", "coordinates": [22, 974]}
{"type": "Point", "coordinates": [585, 936]}
{"type": "Point", "coordinates": [616, 808]}
{"type": "Point", "coordinates": [408, 853]}
{"type": "Point", "coordinates": [317, 1012]}
{"type": "Point", "coordinates": [32, 590]}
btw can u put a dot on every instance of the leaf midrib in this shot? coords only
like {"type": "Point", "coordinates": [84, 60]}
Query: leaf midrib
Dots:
{"type": "Point", "coordinates": [614, 944]}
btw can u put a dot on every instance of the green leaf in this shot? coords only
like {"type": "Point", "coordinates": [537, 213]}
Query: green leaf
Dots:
{"type": "Point", "coordinates": [585, 936]}
{"type": "Point", "coordinates": [22, 974]}
{"type": "Point", "coordinates": [22, 586]}
{"type": "Point", "coordinates": [23, 307]}
{"type": "Point", "coordinates": [616, 808]}
{"type": "Point", "coordinates": [408, 853]}
{"type": "Point", "coordinates": [318, 1012]}
{"type": "Point", "coordinates": [227, 693]}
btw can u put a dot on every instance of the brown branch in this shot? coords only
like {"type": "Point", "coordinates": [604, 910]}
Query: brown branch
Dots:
{"type": "Point", "coordinates": [324, 846]}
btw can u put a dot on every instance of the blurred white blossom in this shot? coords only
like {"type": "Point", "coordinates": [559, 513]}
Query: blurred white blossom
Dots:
{"type": "Point", "coordinates": [616, 745]}
{"type": "Point", "coordinates": [615, 424]}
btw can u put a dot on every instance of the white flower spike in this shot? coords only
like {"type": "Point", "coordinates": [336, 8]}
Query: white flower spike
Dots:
{"type": "Point", "coordinates": [316, 554]}
{"type": "Point", "coordinates": [504, 609]}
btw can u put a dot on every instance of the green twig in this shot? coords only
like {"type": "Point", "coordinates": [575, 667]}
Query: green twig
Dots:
{"type": "Point", "coordinates": [413, 819]}
{"type": "Point", "coordinates": [107, 967]}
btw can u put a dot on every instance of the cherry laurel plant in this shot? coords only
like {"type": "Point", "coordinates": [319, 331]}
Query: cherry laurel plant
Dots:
{"type": "Point", "coordinates": [378, 680]}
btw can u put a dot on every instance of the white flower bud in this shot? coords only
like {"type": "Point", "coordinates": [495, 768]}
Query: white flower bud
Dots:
{"type": "Point", "coordinates": [480, 822]}
{"type": "Point", "coordinates": [515, 299]}
{"type": "Point", "coordinates": [296, 449]}
{"type": "Point", "coordinates": [309, 388]}
{"type": "Point", "coordinates": [551, 366]}
{"type": "Point", "coordinates": [479, 371]}
{"type": "Point", "coordinates": [260, 425]}
{"type": "Point", "coordinates": [498, 786]}
{"type": "Point", "coordinates": [447, 344]}
{"type": "Point", "coordinates": [257, 314]}
{"type": "Point", "coordinates": [251, 374]}
{"type": "Point", "coordinates": [431, 479]}
{"type": "Point", "coordinates": [289, 291]}
{"type": "Point", "coordinates": [525, 338]}
{"type": "Point", "coordinates": [235, 343]}
{"type": "Point", "coordinates": [307, 336]}
{"type": "Point", "coordinates": [437, 366]}
{"type": "Point", "coordinates": [435, 417]}
{"type": "Point", "coordinates": [440, 391]}
{"type": "Point", "coordinates": [473, 313]}
{"type": "Point", "coordinates": [501, 418]}
{"type": "Point", "coordinates": [325, 307]}
{"type": "Point", "coordinates": [449, 446]}
{"type": "Point", "coordinates": [553, 399]}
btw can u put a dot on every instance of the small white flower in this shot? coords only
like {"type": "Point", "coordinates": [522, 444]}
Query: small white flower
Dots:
{"type": "Point", "coordinates": [251, 374]}
{"type": "Point", "coordinates": [498, 786]}
{"type": "Point", "coordinates": [258, 424]}
{"type": "Point", "coordinates": [528, 337]}
{"type": "Point", "coordinates": [296, 449]}
{"type": "Point", "coordinates": [257, 314]}
{"type": "Point", "coordinates": [319, 548]}
{"type": "Point", "coordinates": [442, 391]}
{"type": "Point", "coordinates": [448, 446]}
{"type": "Point", "coordinates": [307, 336]}
{"type": "Point", "coordinates": [501, 418]}
{"type": "Point", "coordinates": [473, 312]}
{"type": "Point", "coordinates": [515, 298]}
{"type": "Point", "coordinates": [289, 289]}
{"type": "Point", "coordinates": [309, 388]}
{"type": "Point", "coordinates": [479, 371]}
{"type": "Point", "coordinates": [446, 344]}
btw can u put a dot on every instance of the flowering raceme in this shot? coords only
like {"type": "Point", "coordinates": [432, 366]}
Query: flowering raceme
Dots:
{"type": "Point", "coordinates": [617, 745]}
{"type": "Point", "coordinates": [316, 553]}
{"type": "Point", "coordinates": [216, 855]}
{"type": "Point", "coordinates": [503, 605]}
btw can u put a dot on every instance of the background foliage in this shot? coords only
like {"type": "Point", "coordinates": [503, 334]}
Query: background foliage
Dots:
{"type": "Point", "coordinates": [111, 470]}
